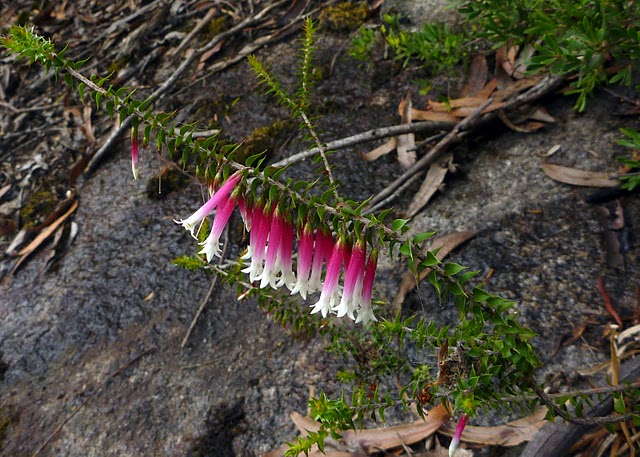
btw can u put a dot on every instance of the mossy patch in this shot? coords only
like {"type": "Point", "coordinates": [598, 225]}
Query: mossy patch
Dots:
{"type": "Point", "coordinates": [39, 205]}
{"type": "Point", "coordinates": [344, 17]}
{"type": "Point", "coordinates": [266, 139]}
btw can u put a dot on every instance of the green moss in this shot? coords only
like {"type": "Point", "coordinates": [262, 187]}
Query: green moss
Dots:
{"type": "Point", "coordinates": [38, 206]}
{"type": "Point", "coordinates": [344, 17]}
{"type": "Point", "coordinates": [117, 65]}
{"type": "Point", "coordinates": [218, 25]}
{"type": "Point", "coordinates": [266, 139]}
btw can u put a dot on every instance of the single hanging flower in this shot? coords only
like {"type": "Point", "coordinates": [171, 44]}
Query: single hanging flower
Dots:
{"type": "Point", "coordinates": [134, 151]}
{"type": "Point", "coordinates": [331, 280]}
{"type": "Point", "coordinates": [211, 246]}
{"type": "Point", "coordinates": [259, 243]}
{"type": "Point", "coordinates": [287, 277]}
{"type": "Point", "coordinates": [192, 221]}
{"type": "Point", "coordinates": [365, 313]}
{"type": "Point", "coordinates": [354, 273]}
{"type": "Point", "coordinates": [455, 442]}
{"type": "Point", "coordinates": [256, 220]}
{"type": "Point", "coordinates": [321, 251]}
{"type": "Point", "coordinates": [271, 264]}
{"type": "Point", "coordinates": [305, 254]}
{"type": "Point", "coordinates": [246, 211]}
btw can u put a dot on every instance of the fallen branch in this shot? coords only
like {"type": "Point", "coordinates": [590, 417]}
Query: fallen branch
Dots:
{"type": "Point", "coordinates": [452, 137]}
{"type": "Point", "coordinates": [475, 119]}
{"type": "Point", "coordinates": [369, 135]}
{"type": "Point", "coordinates": [101, 154]}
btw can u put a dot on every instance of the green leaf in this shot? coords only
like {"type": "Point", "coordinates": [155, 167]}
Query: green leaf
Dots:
{"type": "Point", "coordinates": [453, 269]}
{"type": "Point", "coordinates": [399, 224]}
{"type": "Point", "coordinates": [81, 92]}
{"type": "Point", "coordinates": [420, 237]}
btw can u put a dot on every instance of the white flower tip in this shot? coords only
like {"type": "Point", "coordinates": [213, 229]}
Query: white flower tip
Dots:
{"type": "Point", "coordinates": [453, 447]}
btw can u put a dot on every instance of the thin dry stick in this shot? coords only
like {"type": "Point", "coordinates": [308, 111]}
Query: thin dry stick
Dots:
{"type": "Point", "coordinates": [610, 419]}
{"type": "Point", "coordinates": [426, 160]}
{"type": "Point", "coordinates": [369, 135]}
{"type": "Point", "coordinates": [90, 395]}
{"type": "Point", "coordinates": [542, 88]}
{"type": "Point", "coordinates": [201, 23]}
{"type": "Point", "coordinates": [186, 63]}
{"type": "Point", "coordinates": [185, 340]}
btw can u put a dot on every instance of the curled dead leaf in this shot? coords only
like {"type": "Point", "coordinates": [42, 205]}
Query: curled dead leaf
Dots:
{"type": "Point", "coordinates": [578, 177]}
{"type": "Point", "coordinates": [510, 434]}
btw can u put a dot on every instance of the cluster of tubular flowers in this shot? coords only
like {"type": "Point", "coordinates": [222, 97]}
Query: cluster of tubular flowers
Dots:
{"type": "Point", "coordinates": [272, 235]}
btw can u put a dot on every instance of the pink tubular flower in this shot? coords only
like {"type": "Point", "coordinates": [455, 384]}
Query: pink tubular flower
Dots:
{"type": "Point", "coordinates": [455, 442]}
{"type": "Point", "coordinates": [322, 250]}
{"type": "Point", "coordinates": [246, 211]}
{"type": "Point", "coordinates": [259, 242]}
{"type": "Point", "coordinates": [305, 254]}
{"type": "Point", "coordinates": [134, 151]}
{"type": "Point", "coordinates": [211, 246]}
{"type": "Point", "coordinates": [353, 275]}
{"type": "Point", "coordinates": [331, 280]}
{"type": "Point", "coordinates": [206, 209]}
{"type": "Point", "coordinates": [271, 266]}
{"type": "Point", "coordinates": [365, 313]}
{"type": "Point", "coordinates": [284, 255]}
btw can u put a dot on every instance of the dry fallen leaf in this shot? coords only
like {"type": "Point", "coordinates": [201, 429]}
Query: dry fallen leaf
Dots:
{"type": "Point", "coordinates": [476, 77]}
{"type": "Point", "coordinates": [42, 237]}
{"type": "Point", "coordinates": [447, 243]}
{"type": "Point", "coordinates": [406, 144]}
{"type": "Point", "coordinates": [578, 177]}
{"type": "Point", "coordinates": [435, 177]}
{"type": "Point", "coordinates": [366, 442]}
{"type": "Point", "coordinates": [381, 150]}
{"type": "Point", "coordinates": [510, 434]}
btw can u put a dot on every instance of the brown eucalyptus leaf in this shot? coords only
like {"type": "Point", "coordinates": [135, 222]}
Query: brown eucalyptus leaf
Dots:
{"type": "Point", "coordinates": [449, 105]}
{"type": "Point", "coordinates": [578, 177]}
{"type": "Point", "coordinates": [381, 150]}
{"type": "Point", "coordinates": [515, 87]}
{"type": "Point", "coordinates": [510, 434]}
{"type": "Point", "coordinates": [476, 77]}
{"type": "Point", "coordinates": [42, 236]}
{"type": "Point", "coordinates": [385, 438]}
{"type": "Point", "coordinates": [406, 143]}
{"type": "Point", "coordinates": [541, 114]}
{"type": "Point", "coordinates": [447, 243]}
{"type": "Point", "coordinates": [468, 110]}
{"type": "Point", "coordinates": [521, 63]}
{"type": "Point", "coordinates": [488, 89]}
{"type": "Point", "coordinates": [433, 181]}
{"type": "Point", "coordinates": [428, 115]}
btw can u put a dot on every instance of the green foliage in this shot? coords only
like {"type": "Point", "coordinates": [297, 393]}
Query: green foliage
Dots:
{"type": "Point", "coordinates": [631, 180]}
{"type": "Point", "coordinates": [571, 37]}
{"type": "Point", "coordinates": [435, 46]}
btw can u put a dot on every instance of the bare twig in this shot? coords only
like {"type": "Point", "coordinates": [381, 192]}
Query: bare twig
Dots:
{"type": "Point", "coordinates": [185, 340]}
{"type": "Point", "coordinates": [426, 160]}
{"type": "Point", "coordinates": [201, 23]}
{"type": "Point", "coordinates": [168, 84]}
{"type": "Point", "coordinates": [369, 135]}
{"type": "Point", "coordinates": [89, 396]}
{"type": "Point", "coordinates": [475, 119]}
